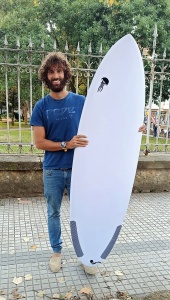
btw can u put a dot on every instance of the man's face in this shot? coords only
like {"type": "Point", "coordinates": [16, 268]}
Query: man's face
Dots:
{"type": "Point", "coordinates": [56, 81]}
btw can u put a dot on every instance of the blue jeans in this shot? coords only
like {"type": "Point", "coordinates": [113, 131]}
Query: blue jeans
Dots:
{"type": "Point", "coordinates": [55, 181]}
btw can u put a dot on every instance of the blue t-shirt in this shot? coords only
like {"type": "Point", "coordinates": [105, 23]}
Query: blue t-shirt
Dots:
{"type": "Point", "coordinates": [60, 118]}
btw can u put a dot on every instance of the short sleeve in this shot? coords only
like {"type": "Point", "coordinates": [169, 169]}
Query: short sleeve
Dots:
{"type": "Point", "coordinates": [37, 118]}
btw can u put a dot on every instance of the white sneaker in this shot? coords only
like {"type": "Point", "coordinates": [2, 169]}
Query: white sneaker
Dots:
{"type": "Point", "coordinates": [90, 270]}
{"type": "Point", "coordinates": [55, 264]}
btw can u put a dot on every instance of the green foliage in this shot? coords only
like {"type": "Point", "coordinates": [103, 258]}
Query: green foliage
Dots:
{"type": "Point", "coordinates": [94, 21]}
{"type": "Point", "coordinates": [21, 19]}
{"type": "Point", "coordinates": [79, 21]}
{"type": "Point", "coordinates": [4, 115]}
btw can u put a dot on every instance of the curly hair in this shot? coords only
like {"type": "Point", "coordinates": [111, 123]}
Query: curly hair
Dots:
{"type": "Point", "coordinates": [54, 58]}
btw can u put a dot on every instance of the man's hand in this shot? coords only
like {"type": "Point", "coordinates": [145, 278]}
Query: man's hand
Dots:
{"type": "Point", "coordinates": [79, 140]}
{"type": "Point", "coordinates": [142, 128]}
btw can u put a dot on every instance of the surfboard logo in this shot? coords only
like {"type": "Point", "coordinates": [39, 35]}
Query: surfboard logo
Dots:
{"type": "Point", "coordinates": [93, 263]}
{"type": "Point", "coordinates": [105, 81]}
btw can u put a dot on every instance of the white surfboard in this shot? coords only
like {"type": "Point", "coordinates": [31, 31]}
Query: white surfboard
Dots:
{"type": "Point", "coordinates": [104, 171]}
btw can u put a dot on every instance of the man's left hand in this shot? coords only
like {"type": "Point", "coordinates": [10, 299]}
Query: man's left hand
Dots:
{"type": "Point", "coordinates": [142, 128]}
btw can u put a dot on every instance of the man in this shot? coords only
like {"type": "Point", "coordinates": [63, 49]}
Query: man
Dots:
{"type": "Point", "coordinates": [55, 119]}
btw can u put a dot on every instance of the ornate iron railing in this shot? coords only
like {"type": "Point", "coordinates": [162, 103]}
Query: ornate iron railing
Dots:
{"type": "Point", "coordinates": [20, 89]}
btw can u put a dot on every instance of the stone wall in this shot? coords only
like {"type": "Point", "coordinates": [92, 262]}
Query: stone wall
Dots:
{"type": "Point", "coordinates": [153, 173]}
{"type": "Point", "coordinates": [21, 175]}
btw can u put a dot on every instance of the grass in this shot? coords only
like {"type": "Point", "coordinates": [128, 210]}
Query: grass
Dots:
{"type": "Point", "coordinates": [26, 139]}
{"type": "Point", "coordinates": [15, 126]}
{"type": "Point", "coordinates": [155, 145]}
{"type": "Point", "coordinates": [22, 144]}
{"type": "Point", "coordinates": [14, 136]}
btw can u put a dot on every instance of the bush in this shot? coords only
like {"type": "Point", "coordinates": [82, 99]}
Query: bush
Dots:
{"type": "Point", "coordinates": [4, 115]}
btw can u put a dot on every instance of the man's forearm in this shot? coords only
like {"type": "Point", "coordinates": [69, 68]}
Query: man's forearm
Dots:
{"type": "Point", "coordinates": [48, 145]}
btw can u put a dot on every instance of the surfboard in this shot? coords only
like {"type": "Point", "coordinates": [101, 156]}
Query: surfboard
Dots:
{"type": "Point", "coordinates": [103, 172]}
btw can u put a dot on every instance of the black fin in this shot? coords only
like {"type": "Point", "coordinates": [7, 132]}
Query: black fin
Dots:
{"type": "Point", "coordinates": [112, 242]}
{"type": "Point", "coordinates": [75, 239]}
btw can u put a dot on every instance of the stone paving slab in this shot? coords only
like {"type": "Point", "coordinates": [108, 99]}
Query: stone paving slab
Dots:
{"type": "Point", "coordinates": [141, 254]}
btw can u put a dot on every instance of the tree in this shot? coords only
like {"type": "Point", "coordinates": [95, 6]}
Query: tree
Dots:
{"type": "Point", "coordinates": [84, 22]}
{"type": "Point", "coordinates": [138, 18]}
{"type": "Point", "coordinates": [20, 18]}
{"type": "Point", "coordinates": [95, 21]}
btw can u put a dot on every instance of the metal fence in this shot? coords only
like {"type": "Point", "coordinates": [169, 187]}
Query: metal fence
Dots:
{"type": "Point", "coordinates": [20, 89]}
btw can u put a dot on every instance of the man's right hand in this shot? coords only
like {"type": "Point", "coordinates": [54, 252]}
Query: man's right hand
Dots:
{"type": "Point", "coordinates": [79, 140]}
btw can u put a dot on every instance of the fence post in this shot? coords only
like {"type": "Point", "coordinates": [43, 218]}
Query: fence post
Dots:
{"type": "Point", "coordinates": [151, 86]}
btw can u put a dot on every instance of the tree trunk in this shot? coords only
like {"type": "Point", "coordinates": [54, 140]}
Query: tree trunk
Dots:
{"type": "Point", "coordinates": [24, 112]}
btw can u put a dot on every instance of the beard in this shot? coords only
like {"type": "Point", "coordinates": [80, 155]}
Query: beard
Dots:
{"type": "Point", "coordinates": [56, 87]}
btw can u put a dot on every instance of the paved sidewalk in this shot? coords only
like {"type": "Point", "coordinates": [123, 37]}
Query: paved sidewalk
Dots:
{"type": "Point", "coordinates": [141, 254]}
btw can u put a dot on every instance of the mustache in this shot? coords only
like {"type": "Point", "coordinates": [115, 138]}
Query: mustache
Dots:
{"type": "Point", "coordinates": [55, 79]}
